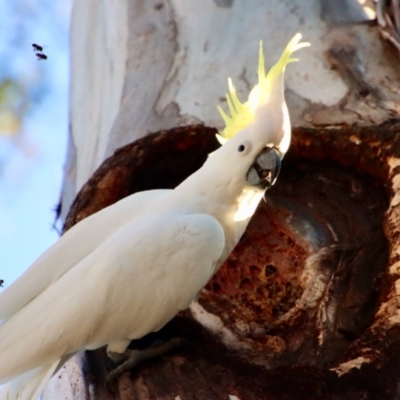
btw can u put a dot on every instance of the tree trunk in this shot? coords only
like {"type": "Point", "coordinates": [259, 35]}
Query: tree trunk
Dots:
{"type": "Point", "coordinates": [306, 306]}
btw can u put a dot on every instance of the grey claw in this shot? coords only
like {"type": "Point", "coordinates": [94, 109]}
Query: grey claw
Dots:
{"type": "Point", "coordinates": [130, 358]}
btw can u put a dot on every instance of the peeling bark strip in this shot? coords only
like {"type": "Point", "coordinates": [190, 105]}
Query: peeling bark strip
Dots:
{"type": "Point", "coordinates": [306, 306]}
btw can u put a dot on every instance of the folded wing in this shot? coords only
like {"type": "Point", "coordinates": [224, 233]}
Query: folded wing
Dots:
{"type": "Point", "coordinates": [133, 284]}
{"type": "Point", "coordinates": [71, 248]}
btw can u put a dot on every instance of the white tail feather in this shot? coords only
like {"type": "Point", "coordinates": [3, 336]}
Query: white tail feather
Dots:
{"type": "Point", "coordinates": [28, 386]}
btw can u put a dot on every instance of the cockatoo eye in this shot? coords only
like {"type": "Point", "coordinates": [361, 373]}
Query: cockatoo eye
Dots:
{"type": "Point", "coordinates": [244, 148]}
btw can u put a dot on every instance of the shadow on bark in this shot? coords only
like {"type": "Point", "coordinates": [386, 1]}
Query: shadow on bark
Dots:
{"type": "Point", "coordinates": [306, 305]}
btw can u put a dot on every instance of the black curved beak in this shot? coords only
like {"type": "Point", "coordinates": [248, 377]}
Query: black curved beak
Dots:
{"type": "Point", "coordinates": [265, 169]}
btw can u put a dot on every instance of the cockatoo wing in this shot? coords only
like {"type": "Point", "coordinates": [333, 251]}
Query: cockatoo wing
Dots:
{"type": "Point", "coordinates": [71, 248]}
{"type": "Point", "coordinates": [133, 284]}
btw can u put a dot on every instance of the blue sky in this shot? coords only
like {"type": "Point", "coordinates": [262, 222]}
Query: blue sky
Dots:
{"type": "Point", "coordinates": [32, 159]}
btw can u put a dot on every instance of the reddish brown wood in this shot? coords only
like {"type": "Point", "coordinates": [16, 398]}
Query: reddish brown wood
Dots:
{"type": "Point", "coordinates": [294, 339]}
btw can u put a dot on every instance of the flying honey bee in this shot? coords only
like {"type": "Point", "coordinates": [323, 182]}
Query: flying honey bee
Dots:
{"type": "Point", "coordinates": [41, 56]}
{"type": "Point", "coordinates": [39, 52]}
{"type": "Point", "coordinates": [36, 47]}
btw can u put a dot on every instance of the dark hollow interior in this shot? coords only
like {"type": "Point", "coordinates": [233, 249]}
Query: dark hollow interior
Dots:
{"type": "Point", "coordinates": [308, 269]}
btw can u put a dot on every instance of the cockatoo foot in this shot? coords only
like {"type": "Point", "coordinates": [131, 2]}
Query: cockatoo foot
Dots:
{"type": "Point", "coordinates": [130, 358]}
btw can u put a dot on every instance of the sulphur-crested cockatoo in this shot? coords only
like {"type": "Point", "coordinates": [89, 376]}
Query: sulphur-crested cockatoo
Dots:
{"type": "Point", "coordinates": [130, 268]}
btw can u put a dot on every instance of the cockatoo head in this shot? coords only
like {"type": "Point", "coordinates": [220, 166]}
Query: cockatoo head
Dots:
{"type": "Point", "coordinates": [259, 129]}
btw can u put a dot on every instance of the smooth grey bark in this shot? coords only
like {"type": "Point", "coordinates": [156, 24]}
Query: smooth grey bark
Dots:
{"type": "Point", "coordinates": [141, 66]}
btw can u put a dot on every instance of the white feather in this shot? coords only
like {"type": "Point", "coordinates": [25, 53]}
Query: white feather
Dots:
{"type": "Point", "coordinates": [106, 296]}
{"type": "Point", "coordinates": [43, 272]}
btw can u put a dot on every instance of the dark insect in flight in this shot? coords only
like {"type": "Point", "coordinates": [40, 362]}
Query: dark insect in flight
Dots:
{"type": "Point", "coordinates": [41, 56]}
{"type": "Point", "coordinates": [1, 282]}
{"type": "Point", "coordinates": [36, 47]}
{"type": "Point", "coordinates": [57, 210]}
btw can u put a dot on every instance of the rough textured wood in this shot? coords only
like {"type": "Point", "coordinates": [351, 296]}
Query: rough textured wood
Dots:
{"type": "Point", "coordinates": [306, 306]}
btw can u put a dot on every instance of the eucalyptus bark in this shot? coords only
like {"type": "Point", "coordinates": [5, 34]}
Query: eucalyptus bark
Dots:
{"type": "Point", "coordinates": [306, 306]}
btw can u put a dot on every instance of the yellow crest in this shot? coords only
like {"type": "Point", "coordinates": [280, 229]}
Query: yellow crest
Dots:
{"type": "Point", "coordinates": [243, 114]}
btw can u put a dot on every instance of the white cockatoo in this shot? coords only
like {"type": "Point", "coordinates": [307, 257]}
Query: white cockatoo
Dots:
{"type": "Point", "coordinates": [129, 269]}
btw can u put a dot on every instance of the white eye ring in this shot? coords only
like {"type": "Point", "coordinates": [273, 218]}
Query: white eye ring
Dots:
{"type": "Point", "coordinates": [244, 148]}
